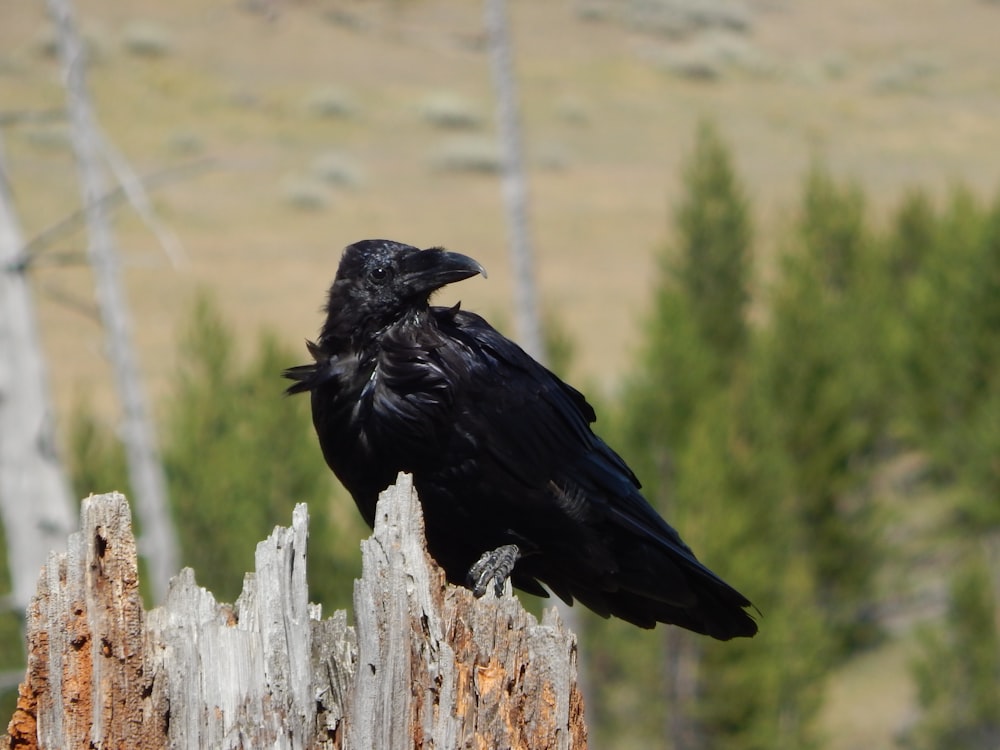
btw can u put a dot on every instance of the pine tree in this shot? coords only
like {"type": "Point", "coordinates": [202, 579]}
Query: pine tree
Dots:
{"type": "Point", "coordinates": [913, 237]}
{"type": "Point", "coordinates": [941, 318]}
{"type": "Point", "coordinates": [694, 340]}
{"type": "Point", "coordinates": [699, 428]}
{"type": "Point", "coordinates": [909, 243]}
{"type": "Point", "coordinates": [973, 442]}
{"type": "Point", "coordinates": [951, 352]}
{"type": "Point", "coordinates": [97, 459]}
{"type": "Point", "coordinates": [239, 456]}
{"type": "Point", "coordinates": [714, 237]}
{"type": "Point", "coordinates": [698, 330]}
{"type": "Point", "coordinates": [735, 492]}
{"type": "Point", "coordinates": [828, 373]}
{"type": "Point", "coordinates": [958, 672]}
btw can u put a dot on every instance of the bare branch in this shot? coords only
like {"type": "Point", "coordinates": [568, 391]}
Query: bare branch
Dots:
{"type": "Point", "coordinates": [19, 117]}
{"type": "Point", "coordinates": [515, 184]}
{"type": "Point", "coordinates": [135, 191]}
{"type": "Point", "coordinates": [71, 301]}
{"type": "Point", "coordinates": [39, 244]}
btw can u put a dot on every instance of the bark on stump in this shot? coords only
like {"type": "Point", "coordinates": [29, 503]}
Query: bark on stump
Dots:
{"type": "Point", "coordinates": [425, 665]}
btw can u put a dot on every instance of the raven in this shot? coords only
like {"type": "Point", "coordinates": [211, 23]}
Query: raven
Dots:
{"type": "Point", "coordinates": [512, 481]}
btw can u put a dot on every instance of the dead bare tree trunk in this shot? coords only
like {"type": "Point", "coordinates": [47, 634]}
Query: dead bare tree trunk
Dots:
{"type": "Point", "coordinates": [515, 184]}
{"type": "Point", "coordinates": [35, 499]}
{"type": "Point", "coordinates": [515, 190]}
{"type": "Point", "coordinates": [426, 664]}
{"type": "Point", "coordinates": [159, 543]}
{"type": "Point", "coordinates": [680, 674]}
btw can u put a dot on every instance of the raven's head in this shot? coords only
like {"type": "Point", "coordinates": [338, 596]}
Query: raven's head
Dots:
{"type": "Point", "coordinates": [380, 281]}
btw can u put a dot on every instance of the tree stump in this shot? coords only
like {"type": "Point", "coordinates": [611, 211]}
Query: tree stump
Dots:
{"type": "Point", "coordinates": [425, 664]}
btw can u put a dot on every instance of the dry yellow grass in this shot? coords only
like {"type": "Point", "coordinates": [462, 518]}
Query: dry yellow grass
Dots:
{"type": "Point", "coordinates": [235, 85]}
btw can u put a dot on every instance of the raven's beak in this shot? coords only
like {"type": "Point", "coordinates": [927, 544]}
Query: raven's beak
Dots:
{"type": "Point", "coordinates": [428, 270]}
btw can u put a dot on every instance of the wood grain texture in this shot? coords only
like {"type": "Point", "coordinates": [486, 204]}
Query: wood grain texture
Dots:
{"type": "Point", "coordinates": [438, 668]}
{"type": "Point", "coordinates": [425, 665]}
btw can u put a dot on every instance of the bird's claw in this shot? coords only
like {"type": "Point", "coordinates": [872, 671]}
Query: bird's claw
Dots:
{"type": "Point", "coordinates": [495, 565]}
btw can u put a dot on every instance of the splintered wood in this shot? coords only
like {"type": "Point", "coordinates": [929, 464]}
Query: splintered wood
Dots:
{"type": "Point", "coordinates": [426, 665]}
{"type": "Point", "coordinates": [437, 665]}
{"type": "Point", "coordinates": [86, 674]}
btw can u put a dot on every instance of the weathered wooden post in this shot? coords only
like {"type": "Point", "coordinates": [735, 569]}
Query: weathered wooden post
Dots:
{"type": "Point", "coordinates": [425, 665]}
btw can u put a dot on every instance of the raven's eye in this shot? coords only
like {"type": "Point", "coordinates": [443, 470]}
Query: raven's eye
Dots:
{"type": "Point", "coordinates": [379, 274]}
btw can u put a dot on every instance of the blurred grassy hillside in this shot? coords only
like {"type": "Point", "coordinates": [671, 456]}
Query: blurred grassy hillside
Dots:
{"type": "Point", "coordinates": [326, 122]}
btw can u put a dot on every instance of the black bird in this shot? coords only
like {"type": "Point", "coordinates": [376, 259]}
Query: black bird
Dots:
{"type": "Point", "coordinates": [512, 480]}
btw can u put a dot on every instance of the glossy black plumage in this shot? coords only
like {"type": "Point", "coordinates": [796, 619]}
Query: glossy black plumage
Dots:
{"type": "Point", "coordinates": [500, 449]}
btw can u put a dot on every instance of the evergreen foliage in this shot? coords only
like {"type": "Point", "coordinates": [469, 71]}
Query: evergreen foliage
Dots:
{"type": "Point", "coordinates": [952, 410]}
{"type": "Point", "coordinates": [944, 374]}
{"type": "Point", "coordinates": [714, 236]}
{"type": "Point", "coordinates": [734, 497]}
{"type": "Point", "coordinates": [239, 456]}
{"type": "Point", "coordinates": [828, 377]}
{"type": "Point", "coordinates": [912, 239]}
{"type": "Point", "coordinates": [11, 637]}
{"type": "Point", "coordinates": [958, 675]}
{"type": "Point", "coordinates": [700, 429]}
{"type": "Point", "coordinates": [951, 350]}
{"type": "Point", "coordinates": [697, 332]}
{"type": "Point", "coordinates": [96, 456]}
{"type": "Point", "coordinates": [976, 451]}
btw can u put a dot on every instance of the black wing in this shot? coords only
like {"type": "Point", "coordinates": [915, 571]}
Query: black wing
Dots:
{"type": "Point", "coordinates": [523, 452]}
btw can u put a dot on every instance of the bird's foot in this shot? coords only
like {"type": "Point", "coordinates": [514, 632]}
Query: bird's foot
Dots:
{"type": "Point", "coordinates": [495, 565]}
